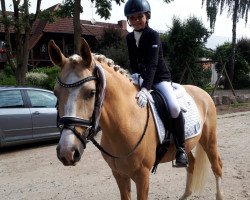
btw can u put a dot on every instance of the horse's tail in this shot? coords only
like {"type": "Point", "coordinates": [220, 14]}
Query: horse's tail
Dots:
{"type": "Point", "coordinates": [200, 169]}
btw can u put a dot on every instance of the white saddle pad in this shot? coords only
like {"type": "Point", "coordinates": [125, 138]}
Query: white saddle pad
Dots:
{"type": "Point", "coordinates": [190, 113]}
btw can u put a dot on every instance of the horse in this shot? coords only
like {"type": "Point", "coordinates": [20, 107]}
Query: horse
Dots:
{"type": "Point", "coordinates": [128, 139]}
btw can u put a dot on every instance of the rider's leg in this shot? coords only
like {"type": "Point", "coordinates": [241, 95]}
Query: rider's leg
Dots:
{"type": "Point", "coordinates": [178, 121]}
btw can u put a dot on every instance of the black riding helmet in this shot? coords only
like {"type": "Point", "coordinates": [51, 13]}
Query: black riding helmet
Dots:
{"type": "Point", "coordinates": [137, 6]}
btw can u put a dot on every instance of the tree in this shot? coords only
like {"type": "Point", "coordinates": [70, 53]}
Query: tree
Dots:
{"type": "Point", "coordinates": [237, 9]}
{"type": "Point", "coordinates": [22, 22]}
{"type": "Point", "coordinates": [73, 8]}
{"type": "Point", "coordinates": [242, 61]}
{"type": "Point", "coordinates": [113, 45]}
{"type": "Point", "coordinates": [184, 45]}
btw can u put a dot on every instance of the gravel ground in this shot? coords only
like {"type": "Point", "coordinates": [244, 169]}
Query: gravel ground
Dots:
{"type": "Point", "coordinates": [34, 172]}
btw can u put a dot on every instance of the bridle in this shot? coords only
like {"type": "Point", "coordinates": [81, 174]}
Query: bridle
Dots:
{"type": "Point", "coordinates": [91, 125]}
{"type": "Point", "coordinates": [67, 122]}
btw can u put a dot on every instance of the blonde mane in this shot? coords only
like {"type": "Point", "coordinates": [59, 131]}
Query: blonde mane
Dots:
{"type": "Point", "coordinates": [103, 59]}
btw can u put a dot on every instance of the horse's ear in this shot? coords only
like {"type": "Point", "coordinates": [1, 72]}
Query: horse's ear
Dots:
{"type": "Point", "coordinates": [85, 53]}
{"type": "Point", "coordinates": [55, 54]}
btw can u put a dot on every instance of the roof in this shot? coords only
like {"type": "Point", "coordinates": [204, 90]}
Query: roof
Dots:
{"type": "Point", "coordinates": [65, 26]}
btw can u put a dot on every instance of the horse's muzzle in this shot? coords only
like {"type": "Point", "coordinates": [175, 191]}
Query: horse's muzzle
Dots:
{"type": "Point", "coordinates": [69, 156]}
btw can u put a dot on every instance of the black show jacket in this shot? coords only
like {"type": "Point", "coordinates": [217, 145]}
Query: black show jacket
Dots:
{"type": "Point", "coordinates": [147, 58]}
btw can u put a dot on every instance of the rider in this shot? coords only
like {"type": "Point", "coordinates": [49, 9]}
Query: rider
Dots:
{"type": "Point", "coordinates": [146, 58]}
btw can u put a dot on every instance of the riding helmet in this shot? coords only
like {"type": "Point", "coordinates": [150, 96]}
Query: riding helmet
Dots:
{"type": "Point", "coordinates": [136, 6]}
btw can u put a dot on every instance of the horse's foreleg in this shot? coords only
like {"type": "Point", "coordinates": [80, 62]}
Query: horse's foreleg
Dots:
{"type": "Point", "coordinates": [190, 169]}
{"type": "Point", "coordinates": [141, 179]}
{"type": "Point", "coordinates": [124, 184]}
{"type": "Point", "coordinates": [219, 194]}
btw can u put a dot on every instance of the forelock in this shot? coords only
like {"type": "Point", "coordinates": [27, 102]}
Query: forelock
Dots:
{"type": "Point", "coordinates": [75, 58]}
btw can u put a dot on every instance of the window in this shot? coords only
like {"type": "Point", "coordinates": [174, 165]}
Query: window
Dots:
{"type": "Point", "coordinates": [69, 49]}
{"type": "Point", "coordinates": [43, 48]}
{"type": "Point", "coordinates": [11, 99]}
{"type": "Point", "coordinates": [42, 99]}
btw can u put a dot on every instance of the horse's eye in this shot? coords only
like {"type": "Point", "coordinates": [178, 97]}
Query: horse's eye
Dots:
{"type": "Point", "coordinates": [93, 92]}
{"type": "Point", "coordinates": [90, 94]}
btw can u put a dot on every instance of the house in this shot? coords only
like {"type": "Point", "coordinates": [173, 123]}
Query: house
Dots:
{"type": "Point", "coordinates": [209, 64]}
{"type": "Point", "coordinates": [62, 32]}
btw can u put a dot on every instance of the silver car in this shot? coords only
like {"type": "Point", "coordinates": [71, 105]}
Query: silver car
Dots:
{"type": "Point", "coordinates": [27, 115]}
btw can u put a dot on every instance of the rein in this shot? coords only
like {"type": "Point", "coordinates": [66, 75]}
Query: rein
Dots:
{"type": "Point", "coordinates": [92, 125]}
{"type": "Point", "coordinates": [132, 150]}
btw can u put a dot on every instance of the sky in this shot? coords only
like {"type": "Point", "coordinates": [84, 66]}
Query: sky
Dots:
{"type": "Point", "coordinates": [162, 15]}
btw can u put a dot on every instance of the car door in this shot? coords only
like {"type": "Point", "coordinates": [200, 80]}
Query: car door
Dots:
{"type": "Point", "coordinates": [44, 113]}
{"type": "Point", "coordinates": [15, 117]}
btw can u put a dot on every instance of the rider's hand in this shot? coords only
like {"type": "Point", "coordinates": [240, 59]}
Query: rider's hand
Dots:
{"type": "Point", "coordinates": [142, 97]}
{"type": "Point", "coordinates": [136, 78]}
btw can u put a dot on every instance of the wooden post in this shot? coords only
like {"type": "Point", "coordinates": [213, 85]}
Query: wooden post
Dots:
{"type": "Point", "coordinates": [189, 72]}
{"type": "Point", "coordinates": [218, 79]}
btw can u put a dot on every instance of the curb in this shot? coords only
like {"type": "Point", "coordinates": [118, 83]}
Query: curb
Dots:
{"type": "Point", "coordinates": [230, 115]}
{"type": "Point", "coordinates": [228, 99]}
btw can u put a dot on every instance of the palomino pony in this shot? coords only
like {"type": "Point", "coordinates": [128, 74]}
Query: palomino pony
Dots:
{"type": "Point", "coordinates": [129, 137]}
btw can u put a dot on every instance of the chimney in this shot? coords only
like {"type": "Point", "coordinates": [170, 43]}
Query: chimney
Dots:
{"type": "Point", "coordinates": [123, 24]}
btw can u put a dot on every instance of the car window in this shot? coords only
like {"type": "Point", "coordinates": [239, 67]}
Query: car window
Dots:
{"type": "Point", "coordinates": [11, 99]}
{"type": "Point", "coordinates": [42, 99]}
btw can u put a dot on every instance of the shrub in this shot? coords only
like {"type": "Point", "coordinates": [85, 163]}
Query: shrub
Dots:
{"type": "Point", "coordinates": [35, 78]}
{"type": "Point", "coordinates": [113, 45]}
{"type": "Point", "coordinates": [184, 44]}
{"type": "Point", "coordinates": [7, 77]}
{"type": "Point", "coordinates": [51, 73]}
{"type": "Point", "coordinates": [242, 66]}
{"type": "Point", "coordinates": [118, 54]}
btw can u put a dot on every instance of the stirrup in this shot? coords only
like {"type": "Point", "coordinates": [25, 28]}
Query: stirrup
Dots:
{"type": "Point", "coordinates": [181, 164]}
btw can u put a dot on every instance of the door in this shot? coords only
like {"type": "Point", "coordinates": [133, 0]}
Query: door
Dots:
{"type": "Point", "coordinates": [43, 114]}
{"type": "Point", "coordinates": [15, 118]}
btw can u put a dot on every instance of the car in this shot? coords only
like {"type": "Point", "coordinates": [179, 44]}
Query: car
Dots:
{"type": "Point", "coordinates": [27, 115]}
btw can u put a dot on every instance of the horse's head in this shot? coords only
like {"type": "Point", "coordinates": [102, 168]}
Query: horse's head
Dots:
{"type": "Point", "coordinates": [76, 93]}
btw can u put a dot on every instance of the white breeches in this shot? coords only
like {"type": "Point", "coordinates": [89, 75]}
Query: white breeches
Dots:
{"type": "Point", "coordinates": [167, 91]}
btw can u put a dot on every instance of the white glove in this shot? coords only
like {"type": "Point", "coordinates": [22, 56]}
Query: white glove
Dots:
{"type": "Point", "coordinates": [142, 97]}
{"type": "Point", "coordinates": [137, 79]}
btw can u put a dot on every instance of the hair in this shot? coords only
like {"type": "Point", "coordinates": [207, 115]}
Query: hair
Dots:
{"type": "Point", "coordinates": [148, 15]}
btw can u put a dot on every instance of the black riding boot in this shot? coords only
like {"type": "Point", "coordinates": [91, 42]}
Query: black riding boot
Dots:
{"type": "Point", "coordinates": [179, 139]}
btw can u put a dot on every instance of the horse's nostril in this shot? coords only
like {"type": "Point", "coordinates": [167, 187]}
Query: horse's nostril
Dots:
{"type": "Point", "coordinates": [64, 161]}
{"type": "Point", "coordinates": [76, 156]}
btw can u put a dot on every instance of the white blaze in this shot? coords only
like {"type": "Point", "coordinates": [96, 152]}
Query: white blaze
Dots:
{"type": "Point", "coordinates": [70, 107]}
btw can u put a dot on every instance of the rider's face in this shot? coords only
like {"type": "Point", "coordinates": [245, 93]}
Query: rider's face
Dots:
{"type": "Point", "coordinates": [138, 21]}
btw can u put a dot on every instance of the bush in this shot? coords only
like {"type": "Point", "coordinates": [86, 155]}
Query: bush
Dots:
{"type": "Point", "coordinates": [118, 54]}
{"type": "Point", "coordinates": [241, 74]}
{"type": "Point", "coordinates": [113, 45]}
{"type": "Point", "coordinates": [7, 77]}
{"type": "Point", "coordinates": [44, 77]}
{"type": "Point", "coordinates": [242, 66]}
{"type": "Point", "coordinates": [35, 78]}
{"type": "Point", "coordinates": [50, 80]}
{"type": "Point", "coordinates": [184, 44]}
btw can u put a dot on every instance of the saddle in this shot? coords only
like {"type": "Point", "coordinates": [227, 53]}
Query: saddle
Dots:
{"type": "Point", "coordinates": [163, 119]}
{"type": "Point", "coordinates": [164, 114]}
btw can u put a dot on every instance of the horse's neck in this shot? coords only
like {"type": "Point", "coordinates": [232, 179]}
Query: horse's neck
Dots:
{"type": "Point", "coordinates": [120, 113]}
